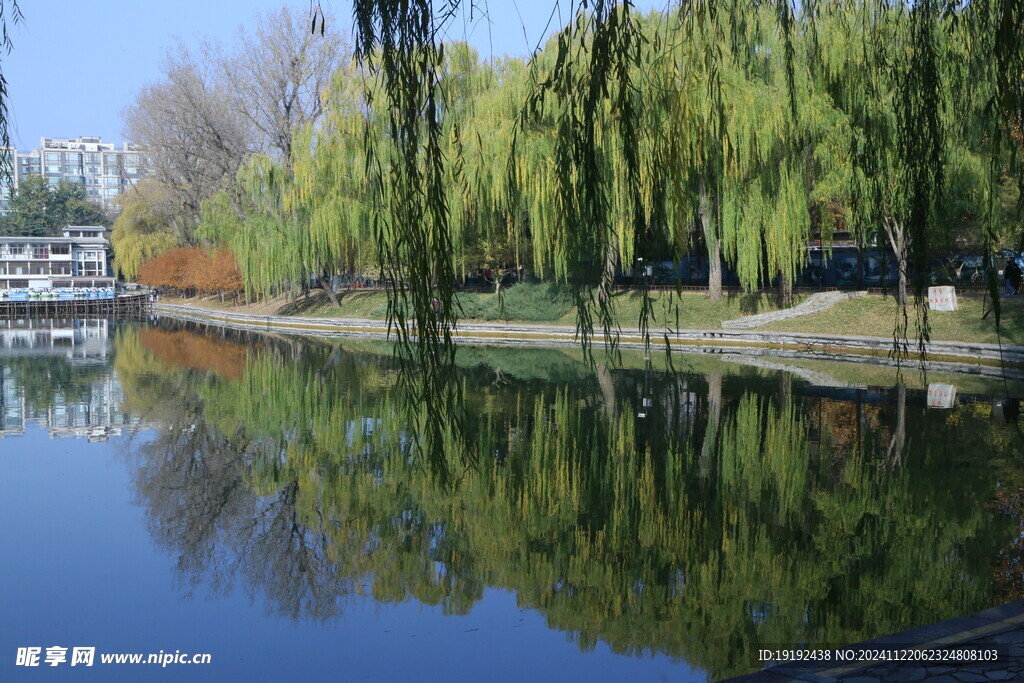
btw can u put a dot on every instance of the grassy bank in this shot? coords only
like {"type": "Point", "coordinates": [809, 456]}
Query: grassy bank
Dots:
{"type": "Point", "coordinates": [545, 303]}
{"type": "Point", "coordinates": [876, 316]}
{"type": "Point", "coordinates": [873, 316]}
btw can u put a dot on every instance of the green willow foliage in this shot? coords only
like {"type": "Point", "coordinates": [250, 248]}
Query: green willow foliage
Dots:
{"type": "Point", "coordinates": [738, 125]}
{"type": "Point", "coordinates": [698, 532]}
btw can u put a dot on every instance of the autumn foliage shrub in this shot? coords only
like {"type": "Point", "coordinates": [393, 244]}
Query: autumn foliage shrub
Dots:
{"type": "Point", "coordinates": [192, 270]}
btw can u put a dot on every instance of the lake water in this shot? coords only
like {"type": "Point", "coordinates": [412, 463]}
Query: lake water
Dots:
{"type": "Point", "coordinates": [173, 488]}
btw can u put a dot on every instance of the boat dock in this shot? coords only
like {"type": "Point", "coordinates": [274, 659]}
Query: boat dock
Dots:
{"type": "Point", "coordinates": [69, 308]}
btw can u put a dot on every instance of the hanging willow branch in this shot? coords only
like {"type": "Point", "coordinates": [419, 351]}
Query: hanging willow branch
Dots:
{"type": "Point", "coordinates": [397, 39]}
{"type": "Point", "coordinates": [590, 95]}
{"type": "Point", "coordinates": [9, 11]}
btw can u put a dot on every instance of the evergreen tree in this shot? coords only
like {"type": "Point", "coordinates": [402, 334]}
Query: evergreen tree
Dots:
{"type": "Point", "coordinates": [41, 210]}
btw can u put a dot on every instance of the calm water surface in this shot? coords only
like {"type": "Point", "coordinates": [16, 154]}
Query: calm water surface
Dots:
{"type": "Point", "coordinates": [171, 487]}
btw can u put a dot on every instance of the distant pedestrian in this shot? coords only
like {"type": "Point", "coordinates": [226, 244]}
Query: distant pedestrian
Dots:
{"type": "Point", "coordinates": [1012, 277]}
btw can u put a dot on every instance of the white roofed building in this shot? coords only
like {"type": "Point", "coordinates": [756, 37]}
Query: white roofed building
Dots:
{"type": "Point", "coordinates": [79, 258]}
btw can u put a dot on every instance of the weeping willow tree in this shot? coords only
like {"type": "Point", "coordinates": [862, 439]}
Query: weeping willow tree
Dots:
{"type": "Point", "coordinates": [589, 99]}
{"type": "Point", "coordinates": [746, 66]}
{"type": "Point", "coordinates": [741, 126]}
{"type": "Point", "coordinates": [146, 227]}
{"type": "Point", "coordinates": [737, 122]}
{"type": "Point", "coordinates": [331, 193]}
{"type": "Point", "coordinates": [884, 67]}
{"type": "Point", "coordinates": [487, 97]}
{"type": "Point", "coordinates": [253, 220]}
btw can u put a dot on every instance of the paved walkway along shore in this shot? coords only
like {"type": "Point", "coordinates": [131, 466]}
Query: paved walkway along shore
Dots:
{"type": "Point", "coordinates": [941, 653]}
{"type": "Point", "coordinates": [815, 303]}
{"type": "Point", "coordinates": [965, 357]}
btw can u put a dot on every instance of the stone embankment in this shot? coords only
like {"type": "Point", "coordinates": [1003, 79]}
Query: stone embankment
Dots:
{"type": "Point", "coordinates": [815, 303]}
{"type": "Point", "coordinates": [965, 357]}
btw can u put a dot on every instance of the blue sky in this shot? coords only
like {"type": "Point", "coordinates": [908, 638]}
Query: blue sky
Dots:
{"type": "Point", "coordinates": [77, 64]}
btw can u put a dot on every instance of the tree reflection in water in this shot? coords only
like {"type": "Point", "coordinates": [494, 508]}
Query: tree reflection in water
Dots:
{"type": "Point", "coordinates": [704, 515]}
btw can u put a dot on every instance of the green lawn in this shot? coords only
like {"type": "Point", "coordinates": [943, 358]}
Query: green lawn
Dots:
{"type": "Point", "coordinates": [552, 304]}
{"type": "Point", "coordinates": [875, 316]}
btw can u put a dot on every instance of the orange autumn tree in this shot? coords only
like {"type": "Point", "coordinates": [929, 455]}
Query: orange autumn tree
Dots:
{"type": "Point", "coordinates": [193, 270]}
{"type": "Point", "coordinates": [224, 275]}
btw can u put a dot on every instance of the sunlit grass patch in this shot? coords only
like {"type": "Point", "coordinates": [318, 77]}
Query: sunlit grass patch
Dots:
{"type": "Point", "coordinates": [875, 316]}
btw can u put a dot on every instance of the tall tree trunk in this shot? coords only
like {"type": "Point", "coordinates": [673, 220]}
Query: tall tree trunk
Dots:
{"type": "Point", "coordinates": [706, 211]}
{"type": "Point", "coordinates": [899, 436]}
{"type": "Point", "coordinates": [326, 286]}
{"type": "Point", "coordinates": [715, 270]}
{"type": "Point", "coordinates": [896, 231]}
{"type": "Point", "coordinates": [785, 389]}
{"type": "Point", "coordinates": [607, 385]}
{"type": "Point", "coordinates": [714, 408]}
{"type": "Point", "coordinates": [784, 292]}
{"type": "Point", "coordinates": [607, 285]}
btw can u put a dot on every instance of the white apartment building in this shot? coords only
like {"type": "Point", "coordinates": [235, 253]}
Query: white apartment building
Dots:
{"type": "Point", "coordinates": [78, 259]}
{"type": "Point", "coordinates": [99, 167]}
